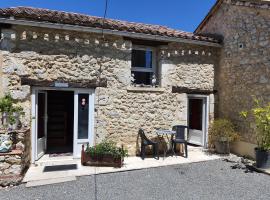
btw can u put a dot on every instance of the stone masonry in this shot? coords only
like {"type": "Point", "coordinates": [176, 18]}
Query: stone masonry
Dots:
{"type": "Point", "coordinates": [13, 164]}
{"type": "Point", "coordinates": [244, 71]}
{"type": "Point", "coordinates": [120, 109]}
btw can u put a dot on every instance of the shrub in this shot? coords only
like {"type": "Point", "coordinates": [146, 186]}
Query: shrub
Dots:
{"type": "Point", "coordinates": [7, 105]}
{"type": "Point", "coordinates": [222, 130]}
{"type": "Point", "coordinates": [261, 115]}
{"type": "Point", "coordinates": [106, 148]}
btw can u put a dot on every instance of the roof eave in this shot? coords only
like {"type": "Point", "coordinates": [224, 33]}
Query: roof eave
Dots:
{"type": "Point", "coordinates": [214, 8]}
{"type": "Point", "coordinates": [105, 31]}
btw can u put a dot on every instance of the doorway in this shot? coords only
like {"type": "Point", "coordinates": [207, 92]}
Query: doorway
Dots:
{"type": "Point", "coordinates": [62, 121]}
{"type": "Point", "coordinates": [197, 119]}
{"type": "Point", "coordinates": [60, 114]}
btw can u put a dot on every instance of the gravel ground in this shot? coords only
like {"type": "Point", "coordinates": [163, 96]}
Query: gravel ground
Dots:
{"type": "Point", "coordinates": [206, 180]}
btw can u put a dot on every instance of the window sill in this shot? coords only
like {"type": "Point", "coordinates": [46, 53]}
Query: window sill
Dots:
{"type": "Point", "coordinates": [145, 89]}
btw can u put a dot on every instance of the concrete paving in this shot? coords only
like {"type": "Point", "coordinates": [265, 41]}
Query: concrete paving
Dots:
{"type": "Point", "coordinates": [208, 180]}
{"type": "Point", "coordinates": [36, 173]}
{"type": "Point", "coordinates": [49, 181]}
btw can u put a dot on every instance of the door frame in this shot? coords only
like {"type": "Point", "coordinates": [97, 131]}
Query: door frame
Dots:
{"type": "Point", "coordinates": [205, 122]}
{"type": "Point", "coordinates": [34, 121]}
{"type": "Point", "coordinates": [91, 135]}
{"type": "Point", "coordinates": [45, 121]}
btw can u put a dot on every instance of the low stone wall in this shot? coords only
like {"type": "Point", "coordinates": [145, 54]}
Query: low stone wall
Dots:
{"type": "Point", "coordinates": [13, 164]}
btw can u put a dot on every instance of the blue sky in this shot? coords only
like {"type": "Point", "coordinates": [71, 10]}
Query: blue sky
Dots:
{"type": "Point", "coordinates": [180, 14]}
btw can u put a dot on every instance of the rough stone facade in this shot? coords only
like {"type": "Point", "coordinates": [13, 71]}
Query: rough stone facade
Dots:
{"type": "Point", "coordinates": [120, 110]}
{"type": "Point", "coordinates": [13, 164]}
{"type": "Point", "coordinates": [244, 70]}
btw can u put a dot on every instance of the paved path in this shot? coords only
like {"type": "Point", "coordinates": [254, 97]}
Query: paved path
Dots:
{"type": "Point", "coordinates": [196, 154]}
{"type": "Point", "coordinates": [206, 180]}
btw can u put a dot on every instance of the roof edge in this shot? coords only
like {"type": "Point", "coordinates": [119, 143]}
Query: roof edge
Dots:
{"type": "Point", "coordinates": [105, 31]}
{"type": "Point", "coordinates": [217, 5]}
{"type": "Point", "coordinates": [69, 18]}
{"type": "Point", "coordinates": [214, 8]}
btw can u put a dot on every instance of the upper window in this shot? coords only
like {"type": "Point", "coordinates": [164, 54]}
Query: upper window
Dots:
{"type": "Point", "coordinates": [143, 66]}
{"type": "Point", "coordinates": [142, 58]}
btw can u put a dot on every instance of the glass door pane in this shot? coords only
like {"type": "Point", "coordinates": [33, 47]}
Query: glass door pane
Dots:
{"type": "Point", "coordinates": [41, 115]}
{"type": "Point", "coordinates": [41, 126]}
{"type": "Point", "coordinates": [83, 116]}
{"type": "Point", "coordinates": [83, 120]}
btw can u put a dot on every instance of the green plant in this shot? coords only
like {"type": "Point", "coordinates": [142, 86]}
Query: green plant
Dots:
{"type": "Point", "coordinates": [6, 103]}
{"type": "Point", "coordinates": [106, 148]}
{"type": "Point", "coordinates": [222, 130]}
{"type": "Point", "coordinates": [7, 106]}
{"type": "Point", "coordinates": [261, 114]}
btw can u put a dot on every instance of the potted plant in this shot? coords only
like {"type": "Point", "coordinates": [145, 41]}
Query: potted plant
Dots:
{"type": "Point", "coordinates": [10, 112]}
{"type": "Point", "coordinates": [221, 134]}
{"type": "Point", "coordinates": [261, 114]}
{"type": "Point", "coordinates": [5, 143]}
{"type": "Point", "coordinates": [105, 153]}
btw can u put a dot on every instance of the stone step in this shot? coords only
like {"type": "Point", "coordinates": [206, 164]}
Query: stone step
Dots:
{"type": "Point", "coordinates": [52, 161]}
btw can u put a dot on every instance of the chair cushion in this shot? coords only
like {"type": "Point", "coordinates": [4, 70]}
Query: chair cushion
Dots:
{"type": "Point", "coordinates": [178, 140]}
{"type": "Point", "coordinates": [145, 142]}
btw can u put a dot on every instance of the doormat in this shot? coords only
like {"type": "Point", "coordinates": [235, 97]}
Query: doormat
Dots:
{"type": "Point", "coordinates": [59, 168]}
{"type": "Point", "coordinates": [60, 154]}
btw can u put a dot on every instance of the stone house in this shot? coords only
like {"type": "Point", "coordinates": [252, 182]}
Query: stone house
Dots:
{"type": "Point", "coordinates": [244, 66]}
{"type": "Point", "coordinates": [81, 79]}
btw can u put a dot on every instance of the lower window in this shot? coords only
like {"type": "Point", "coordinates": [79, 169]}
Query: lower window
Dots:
{"type": "Point", "coordinates": [144, 78]}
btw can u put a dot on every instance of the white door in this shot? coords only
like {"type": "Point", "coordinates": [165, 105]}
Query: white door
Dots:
{"type": "Point", "coordinates": [83, 120]}
{"type": "Point", "coordinates": [196, 120]}
{"type": "Point", "coordinates": [41, 126]}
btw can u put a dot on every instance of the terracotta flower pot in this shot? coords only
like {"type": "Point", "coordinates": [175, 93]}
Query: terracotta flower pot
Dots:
{"type": "Point", "coordinates": [222, 147]}
{"type": "Point", "coordinates": [262, 158]}
{"type": "Point", "coordinates": [100, 160]}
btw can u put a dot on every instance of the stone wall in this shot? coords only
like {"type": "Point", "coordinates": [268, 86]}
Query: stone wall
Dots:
{"type": "Point", "coordinates": [1, 75]}
{"type": "Point", "coordinates": [244, 70]}
{"type": "Point", "coordinates": [188, 66]}
{"type": "Point", "coordinates": [13, 164]}
{"type": "Point", "coordinates": [120, 110]}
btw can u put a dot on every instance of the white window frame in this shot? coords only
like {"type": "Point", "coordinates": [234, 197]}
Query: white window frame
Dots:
{"type": "Point", "coordinates": [154, 62]}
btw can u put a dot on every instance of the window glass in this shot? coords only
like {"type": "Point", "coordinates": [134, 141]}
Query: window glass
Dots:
{"type": "Point", "coordinates": [142, 58]}
{"type": "Point", "coordinates": [83, 116]}
{"type": "Point", "coordinates": [41, 115]}
{"type": "Point", "coordinates": [142, 77]}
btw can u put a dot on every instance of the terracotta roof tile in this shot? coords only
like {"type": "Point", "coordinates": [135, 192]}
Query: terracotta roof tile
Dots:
{"type": "Point", "coordinates": [53, 16]}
